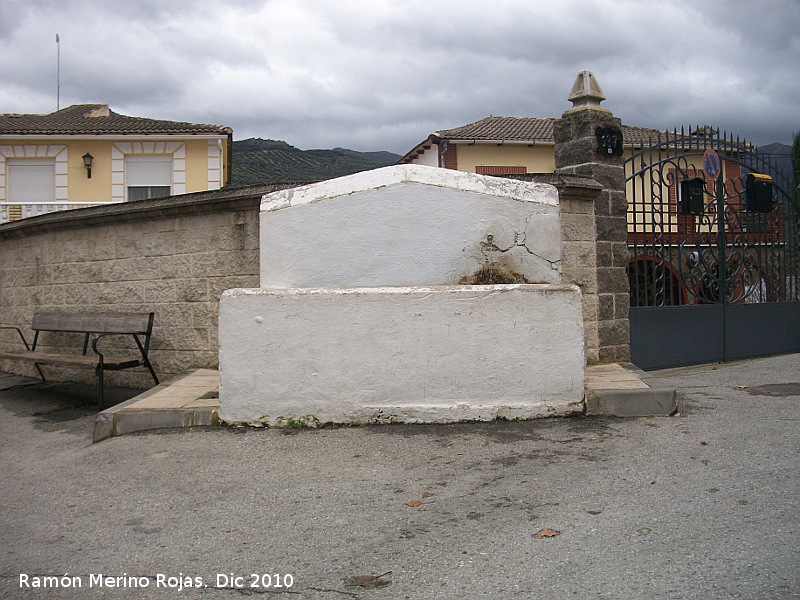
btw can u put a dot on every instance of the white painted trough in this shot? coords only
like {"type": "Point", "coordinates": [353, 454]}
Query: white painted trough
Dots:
{"type": "Point", "coordinates": [361, 316]}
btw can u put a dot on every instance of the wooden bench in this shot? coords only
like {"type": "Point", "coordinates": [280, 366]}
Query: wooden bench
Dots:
{"type": "Point", "coordinates": [93, 327]}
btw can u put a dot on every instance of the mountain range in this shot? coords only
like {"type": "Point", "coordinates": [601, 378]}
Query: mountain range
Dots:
{"type": "Point", "coordinates": [258, 161]}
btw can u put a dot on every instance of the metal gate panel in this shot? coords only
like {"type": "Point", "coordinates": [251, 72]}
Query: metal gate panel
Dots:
{"type": "Point", "coordinates": [669, 336]}
{"type": "Point", "coordinates": [714, 236]}
{"type": "Point", "coordinates": [761, 329]}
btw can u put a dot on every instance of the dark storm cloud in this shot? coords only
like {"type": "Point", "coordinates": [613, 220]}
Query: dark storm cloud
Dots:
{"type": "Point", "coordinates": [383, 74]}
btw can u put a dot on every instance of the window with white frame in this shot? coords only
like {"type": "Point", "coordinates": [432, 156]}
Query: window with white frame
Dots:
{"type": "Point", "coordinates": [148, 176]}
{"type": "Point", "coordinates": [31, 180]}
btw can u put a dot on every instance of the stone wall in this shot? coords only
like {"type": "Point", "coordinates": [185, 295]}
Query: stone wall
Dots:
{"type": "Point", "coordinates": [174, 256]}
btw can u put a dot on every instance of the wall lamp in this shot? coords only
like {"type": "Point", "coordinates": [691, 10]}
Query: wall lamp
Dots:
{"type": "Point", "coordinates": [87, 162]}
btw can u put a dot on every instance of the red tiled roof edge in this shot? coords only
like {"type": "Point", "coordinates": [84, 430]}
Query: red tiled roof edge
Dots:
{"type": "Point", "coordinates": [533, 129]}
{"type": "Point", "coordinates": [98, 119]}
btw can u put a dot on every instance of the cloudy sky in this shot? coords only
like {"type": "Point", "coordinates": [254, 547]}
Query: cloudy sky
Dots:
{"type": "Point", "coordinates": [383, 74]}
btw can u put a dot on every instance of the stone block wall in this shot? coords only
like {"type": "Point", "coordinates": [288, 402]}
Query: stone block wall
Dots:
{"type": "Point", "coordinates": [174, 256]}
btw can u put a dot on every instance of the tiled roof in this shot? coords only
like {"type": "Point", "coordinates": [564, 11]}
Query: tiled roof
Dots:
{"type": "Point", "coordinates": [526, 129]}
{"type": "Point", "coordinates": [502, 128]}
{"type": "Point", "coordinates": [636, 136]}
{"type": "Point", "coordinates": [97, 119]}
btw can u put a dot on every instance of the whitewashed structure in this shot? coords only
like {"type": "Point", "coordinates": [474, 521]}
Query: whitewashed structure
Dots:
{"type": "Point", "coordinates": [360, 316]}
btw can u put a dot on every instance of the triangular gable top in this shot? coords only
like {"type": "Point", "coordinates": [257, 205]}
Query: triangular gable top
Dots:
{"type": "Point", "coordinates": [398, 174]}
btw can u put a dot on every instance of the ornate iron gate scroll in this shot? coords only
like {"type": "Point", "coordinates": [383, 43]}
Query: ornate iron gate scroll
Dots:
{"type": "Point", "coordinates": [713, 275]}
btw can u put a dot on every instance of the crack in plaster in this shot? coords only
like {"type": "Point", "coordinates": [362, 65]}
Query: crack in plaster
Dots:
{"type": "Point", "coordinates": [520, 241]}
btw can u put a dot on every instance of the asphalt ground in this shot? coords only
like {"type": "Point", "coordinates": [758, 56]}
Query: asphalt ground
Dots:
{"type": "Point", "coordinates": [704, 504]}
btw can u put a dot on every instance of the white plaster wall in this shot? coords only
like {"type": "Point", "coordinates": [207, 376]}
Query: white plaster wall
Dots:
{"type": "Point", "coordinates": [408, 225]}
{"type": "Point", "coordinates": [429, 158]}
{"type": "Point", "coordinates": [373, 355]}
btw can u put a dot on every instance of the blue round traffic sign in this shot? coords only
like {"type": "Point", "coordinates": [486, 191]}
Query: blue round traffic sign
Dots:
{"type": "Point", "coordinates": [712, 164]}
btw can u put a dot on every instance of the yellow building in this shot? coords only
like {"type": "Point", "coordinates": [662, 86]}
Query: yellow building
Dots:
{"type": "Point", "coordinates": [661, 222]}
{"type": "Point", "coordinates": [521, 145]}
{"type": "Point", "coordinates": [87, 154]}
{"type": "Point", "coordinates": [501, 146]}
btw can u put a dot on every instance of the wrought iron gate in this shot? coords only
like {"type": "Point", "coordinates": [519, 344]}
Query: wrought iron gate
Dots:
{"type": "Point", "coordinates": [714, 238]}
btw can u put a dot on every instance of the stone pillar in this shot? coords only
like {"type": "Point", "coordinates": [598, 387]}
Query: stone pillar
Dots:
{"type": "Point", "coordinates": [601, 271]}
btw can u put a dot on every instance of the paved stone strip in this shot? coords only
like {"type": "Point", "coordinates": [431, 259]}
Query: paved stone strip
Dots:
{"type": "Point", "coordinates": [192, 400]}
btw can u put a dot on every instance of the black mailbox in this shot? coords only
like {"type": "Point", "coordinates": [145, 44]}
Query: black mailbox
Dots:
{"type": "Point", "coordinates": [758, 193]}
{"type": "Point", "coordinates": [692, 201]}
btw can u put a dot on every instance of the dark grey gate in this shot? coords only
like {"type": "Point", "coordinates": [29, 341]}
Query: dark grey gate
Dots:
{"type": "Point", "coordinates": [714, 237]}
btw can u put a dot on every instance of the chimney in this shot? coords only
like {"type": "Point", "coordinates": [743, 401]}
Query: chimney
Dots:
{"type": "Point", "coordinates": [101, 110]}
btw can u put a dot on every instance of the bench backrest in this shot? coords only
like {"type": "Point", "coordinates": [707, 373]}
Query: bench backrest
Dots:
{"type": "Point", "coordinates": [112, 322]}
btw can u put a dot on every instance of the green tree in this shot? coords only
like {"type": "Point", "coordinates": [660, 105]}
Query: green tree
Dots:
{"type": "Point", "coordinates": [796, 195]}
{"type": "Point", "coordinates": [796, 159]}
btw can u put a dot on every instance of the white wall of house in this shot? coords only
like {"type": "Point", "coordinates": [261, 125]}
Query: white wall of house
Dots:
{"type": "Point", "coordinates": [429, 158]}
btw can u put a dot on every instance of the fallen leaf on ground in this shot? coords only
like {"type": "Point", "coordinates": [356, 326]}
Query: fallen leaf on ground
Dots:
{"type": "Point", "coordinates": [427, 494]}
{"type": "Point", "coordinates": [704, 443]}
{"type": "Point", "coordinates": [594, 512]}
{"type": "Point", "coordinates": [546, 533]}
{"type": "Point", "coordinates": [414, 503]}
{"type": "Point", "coordinates": [367, 581]}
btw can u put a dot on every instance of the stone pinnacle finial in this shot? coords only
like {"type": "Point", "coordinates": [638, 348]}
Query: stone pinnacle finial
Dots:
{"type": "Point", "coordinates": [586, 93]}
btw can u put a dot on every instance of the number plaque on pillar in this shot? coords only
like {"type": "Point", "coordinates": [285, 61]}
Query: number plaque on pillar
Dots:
{"type": "Point", "coordinates": [609, 141]}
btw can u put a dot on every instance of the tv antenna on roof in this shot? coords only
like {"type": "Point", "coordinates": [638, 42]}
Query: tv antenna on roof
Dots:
{"type": "Point", "coordinates": [58, 74]}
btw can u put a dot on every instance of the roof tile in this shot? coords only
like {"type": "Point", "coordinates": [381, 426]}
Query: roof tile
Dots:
{"type": "Point", "coordinates": [97, 119]}
{"type": "Point", "coordinates": [503, 128]}
{"type": "Point", "coordinates": [534, 129]}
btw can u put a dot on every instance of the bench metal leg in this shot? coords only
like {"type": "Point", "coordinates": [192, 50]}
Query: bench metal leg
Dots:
{"type": "Point", "coordinates": [100, 384]}
{"type": "Point", "coordinates": [152, 372]}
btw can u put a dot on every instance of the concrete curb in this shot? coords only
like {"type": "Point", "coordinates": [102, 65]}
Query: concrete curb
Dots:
{"type": "Point", "coordinates": [631, 403]}
{"type": "Point", "coordinates": [187, 400]}
{"type": "Point", "coordinates": [617, 390]}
